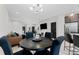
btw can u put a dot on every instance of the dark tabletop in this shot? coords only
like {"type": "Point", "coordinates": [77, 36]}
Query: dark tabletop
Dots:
{"type": "Point", "coordinates": [30, 44]}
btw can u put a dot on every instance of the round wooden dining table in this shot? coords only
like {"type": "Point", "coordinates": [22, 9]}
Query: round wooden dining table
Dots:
{"type": "Point", "coordinates": [44, 43]}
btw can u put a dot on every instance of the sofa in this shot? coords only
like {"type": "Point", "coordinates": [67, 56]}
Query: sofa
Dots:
{"type": "Point", "coordinates": [14, 38]}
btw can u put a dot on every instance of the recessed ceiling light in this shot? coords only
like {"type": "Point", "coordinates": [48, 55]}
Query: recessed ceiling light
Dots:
{"type": "Point", "coordinates": [31, 8]}
{"type": "Point", "coordinates": [17, 12]}
{"type": "Point", "coordinates": [72, 14]}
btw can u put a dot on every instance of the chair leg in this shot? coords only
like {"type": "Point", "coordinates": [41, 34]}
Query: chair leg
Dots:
{"type": "Point", "coordinates": [26, 52]}
{"type": "Point", "coordinates": [73, 49]}
{"type": "Point", "coordinates": [69, 48]}
{"type": "Point", "coordinates": [64, 44]}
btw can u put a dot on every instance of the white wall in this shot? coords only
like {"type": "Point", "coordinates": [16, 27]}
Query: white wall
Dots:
{"type": "Point", "coordinates": [18, 23]}
{"type": "Point", "coordinates": [59, 25]}
{"type": "Point", "coordinates": [17, 27]}
{"type": "Point", "coordinates": [48, 21]}
{"type": "Point", "coordinates": [5, 24]}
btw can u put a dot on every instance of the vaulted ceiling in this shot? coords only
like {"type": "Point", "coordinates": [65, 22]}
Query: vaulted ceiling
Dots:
{"type": "Point", "coordinates": [22, 12]}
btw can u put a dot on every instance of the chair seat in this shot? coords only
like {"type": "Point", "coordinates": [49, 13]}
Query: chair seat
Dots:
{"type": "Point", "coordinates": [19, 53]}
{"type": "Point", "coordinates": [42, 52]}
{"type": "Point", "coordinates": [22, 52]}
{"type": "Point", "coordinates": [70, 41]}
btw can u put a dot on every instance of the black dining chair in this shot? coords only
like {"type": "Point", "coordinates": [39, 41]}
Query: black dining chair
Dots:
{"type": "Point", "coordinates": [29, 35]}
{"type": "Point", "coordinates": [6, 46]}
{"type": "Point", "coordinates": [69, 40]}
{"type": "Point", "coordinates": [42, 52]}
{"type": "Point", "coordinates": [48, 35]}
{"type": "Point", "coordinates": [56, 44]}
{"type": "Point", "coordinates": [23, 36]}
{"type": "Point", "coordinates": [75, 44]}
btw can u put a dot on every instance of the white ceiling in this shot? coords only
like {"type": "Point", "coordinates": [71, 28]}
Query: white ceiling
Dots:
{"type": "Point", "coordinates": [23, 13]}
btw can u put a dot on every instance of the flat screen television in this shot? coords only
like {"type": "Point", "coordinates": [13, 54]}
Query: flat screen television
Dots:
{"type": "Point", "coordinates": [43, 26]}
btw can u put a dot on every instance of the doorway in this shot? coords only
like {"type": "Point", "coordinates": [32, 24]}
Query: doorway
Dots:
{"type": "Point", "coordinates": [53, 29]}
{"type": "Point", "coordinates": [24, 29]}
{"type": "Point", "coordinates": [33, 29]}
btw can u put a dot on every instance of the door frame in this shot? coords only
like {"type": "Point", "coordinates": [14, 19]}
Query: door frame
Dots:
{"type": "Point", "coordinates": [55, 27]}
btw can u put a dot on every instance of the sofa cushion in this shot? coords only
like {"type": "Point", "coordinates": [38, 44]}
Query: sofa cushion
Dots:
{"type": "Point", "coordinates": [14, 40]}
